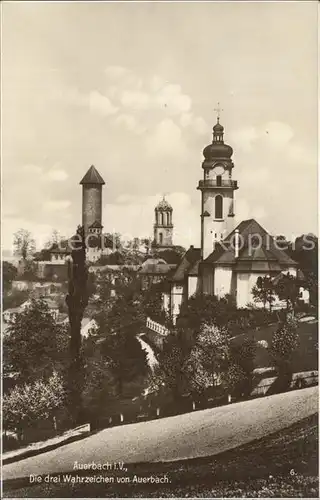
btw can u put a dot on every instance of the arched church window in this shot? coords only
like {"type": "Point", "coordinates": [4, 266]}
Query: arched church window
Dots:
{"type": "Point", "coordinates": [160, 238]}
{"type": "Point", "coordinates": [161, 218]}
{"type": "Point", "coordinates": [218, 206]}
{"type": "Point", "coordinates": [218, 180]}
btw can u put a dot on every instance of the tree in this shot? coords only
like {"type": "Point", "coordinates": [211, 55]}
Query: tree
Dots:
{"type": "Point", "coordinates": [14, 299]}
{"type": "Point", "coordinates": [43, 255]}
{"type": "Point", "coordinates": [99, 385]}
{"type": "Point", "coordinates": [263, 291]}
{"type": "Point", "coordinates": [23, 243]}
{"type": "Point", "coordinates": [124, 357]}
{"type": "Point", "coordinates": [284, 344]}
{"type": "Point", "coordinates": [209, 357]}
{"type": "Point", "coordinates": [115, 258]}
{"type": "Point", "coordinates": [77, 300]}
{"type": "Point", "coordinates": [242, 365]}
{"type": "Point", "coordinates": [9, 273]}
{"type": "Point", "coordinates": [205, 309]}
{"type": "Point", "coordinates": [30, 271]}
{"type": "Point", "coordinates": [169, 376]}
{"type": "Point", "coordinates": [305, 252]}
{"type": "Point", "coordinates": [25, 405]}
{"type": "Point", "coordinates": [35, 345]}
{"type": "Point", "coordinates": [170, 255]}
{"type": "Point", "coordinates": [120, 319]}
{"type": "Point", "coordinates": [244, 354]}
{"type": "Point", "coordinates": [55, 240]}
{"type": "Point", "coordinates": [234, 379]}
{"type": "Point", "coordinates": [287, 288]}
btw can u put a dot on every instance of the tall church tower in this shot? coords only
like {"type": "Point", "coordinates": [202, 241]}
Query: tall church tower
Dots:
{"type": "Point", "coordinates": [217, 192]}
{"type": "Point", "coordinates": [163, 227]}
{"type": "Point", "coordinates": [92, 184]}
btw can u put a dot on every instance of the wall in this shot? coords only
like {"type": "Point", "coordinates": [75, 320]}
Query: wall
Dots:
{"type": "Point", "coordinates": [177, 294]}
{"type": "Point", "coordinates": [215, 230]}
{"type": "Point", "coordinates": [166, 302]}
{"type": "Point", "coordinates": [193, 282]}
{"type": "Point", "coordinates": [208, 280]}
{"type": "Point", "coordinates": [166, 235]}
{"type": "Point", "coordinates": [222, 280]}
{"type": "Point", "coordinates": [242, 289]}
{"type": "Point", "coordinates": [20, 285]}
{"type": "Point", "coordinates": [245, 283]}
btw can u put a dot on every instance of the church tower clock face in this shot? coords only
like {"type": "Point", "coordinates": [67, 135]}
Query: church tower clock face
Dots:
{"type": "Point", "coordinates": [218, 169]}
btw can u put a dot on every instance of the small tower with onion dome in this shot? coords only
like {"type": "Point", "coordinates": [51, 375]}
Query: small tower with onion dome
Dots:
{"type": "Point", "coordinates": [163, 226]}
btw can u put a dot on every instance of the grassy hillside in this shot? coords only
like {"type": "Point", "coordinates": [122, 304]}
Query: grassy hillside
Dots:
{"type": "Point", "coordinates": [283, 464]}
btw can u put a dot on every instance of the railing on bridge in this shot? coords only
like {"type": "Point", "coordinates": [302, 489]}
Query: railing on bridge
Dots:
{"type": "Point", "coordinates": [157, 327]}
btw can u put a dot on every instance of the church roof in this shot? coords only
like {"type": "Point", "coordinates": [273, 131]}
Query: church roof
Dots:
{"type": "Point", "coordinates": [92, 177]}
{"type": "Point", "coordinates": [164, 205]}
{"type": "Point", "coordinates": [260, 256]}
{"type": "Point", "coordinates": [188, 261]}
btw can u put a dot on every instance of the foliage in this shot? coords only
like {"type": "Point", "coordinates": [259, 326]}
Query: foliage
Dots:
{"type": "Point", "coordinates": [121, 306]}
{"type": "Point", "coordinates": [23, 243]}
{"type": "Point", "coordinates": [77, 301]}
{"type": "Point", "coordinates": [43, 255]}
{"type": "Point", "coordinates": [14, 299]}
{"type": "Point", "coordinates": [100, 385]}
{"type": "Point", "coordinates": [169, 376]}
{"type": "Point", "coordinates": [25, 405]}
{"type": "Point", "coordinates": [287, 288]}
{"type": "Point", "coordinates": [208, 358]}
{"type": "Point", "coordinates": [234, 379]}
{"type": "Point", "coordinates": [304, 250]}
{"type": "Point", "coordinates": [284, 344]}
{"type": "Point", "coordinates": [124, 357]}
{"type": "Point", "coordinates": [35, 345]}
{"type": "Point", "coordinates": [263, 291]}
{"type": "Point", "coordinates": [114, 258]}
{"type": "Point", "coordinates": [170, 255]}
{"type": "Point", "coordinates": [29, 271]}
{"type": "Point", "coordinates": [9, 273]}
{"type": "Point", "coordinates": [243, 354]}
{"type": "Point", "coordinates": [205, 309]}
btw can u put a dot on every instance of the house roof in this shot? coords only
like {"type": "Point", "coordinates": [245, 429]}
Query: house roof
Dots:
{"type": "Point", "coordinates": [92, 177]}
{"type": "Point", "coordinates": [154, 266]}
{"type": "Point", "coordinates": [186, 265]}
{"type": "Point", "coordinates": [259, 255]}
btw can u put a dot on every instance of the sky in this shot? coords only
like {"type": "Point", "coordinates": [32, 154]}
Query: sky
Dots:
{"type": "Point", "coordinates": [132, 87]}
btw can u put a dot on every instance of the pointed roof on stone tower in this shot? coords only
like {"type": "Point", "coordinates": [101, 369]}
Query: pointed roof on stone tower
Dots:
{"type": "Point", "coordinates": [92, 177]}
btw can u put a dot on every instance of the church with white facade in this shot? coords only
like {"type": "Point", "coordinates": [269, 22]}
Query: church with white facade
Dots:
{"type": "Point", "coordinates": [230, 259]}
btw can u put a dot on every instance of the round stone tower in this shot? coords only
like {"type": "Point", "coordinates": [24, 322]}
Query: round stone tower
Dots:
{"type": "Point", "coordinates": [92, 184]}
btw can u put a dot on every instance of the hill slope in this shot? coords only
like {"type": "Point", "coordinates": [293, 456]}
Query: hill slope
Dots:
{"type": "Point", "coordinates": [197, 434]}
{"type": "Point", "coordinates": [283, 464]}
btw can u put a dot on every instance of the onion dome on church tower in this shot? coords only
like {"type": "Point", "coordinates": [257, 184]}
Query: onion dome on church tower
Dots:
{"type": "Point", "coordinates": [164, 205]}
{"type": "Point", "coordinates": [218, 149]}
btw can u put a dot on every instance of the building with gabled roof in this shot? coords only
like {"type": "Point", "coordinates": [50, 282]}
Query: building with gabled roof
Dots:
{"type": "Point", "coordinates": [230, 259]}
